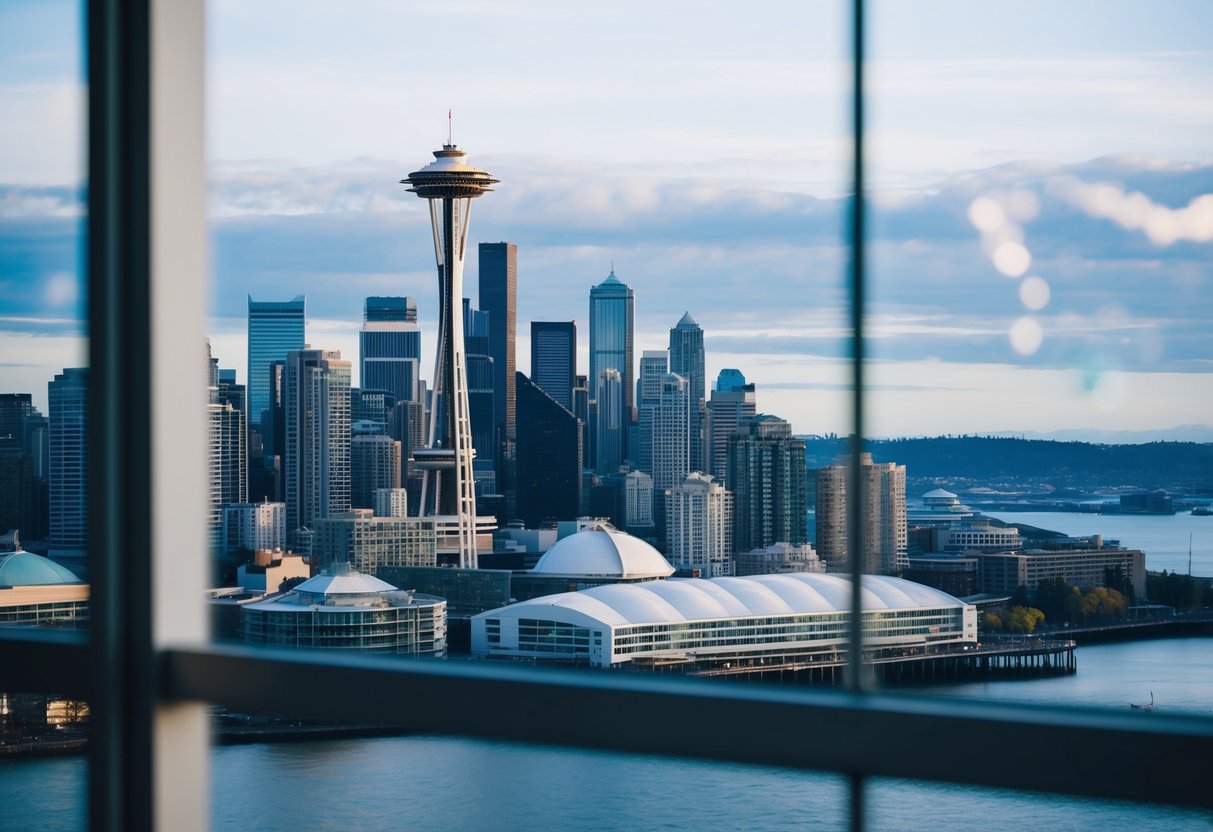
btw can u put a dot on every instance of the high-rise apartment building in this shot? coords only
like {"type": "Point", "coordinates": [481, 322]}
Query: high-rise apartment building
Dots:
{"type": "Point", "coordinates": [550, 458]}
{"type": "Point", "coordinates": [610, 424]}
{"type": "Point", "coordinates": [612, 337]}
{"type": "Point", "coordinates": [653, 365]}
{"type": "Point", "coordinates": [766, 474]}
{"type": "Point", "coordinates": [374, 465]}
{"type": "Point", "coordinates": [316, 392]}
{"type": "Point", "coordinates": [686, 359]}
{"type": "Point", "coordinates": [255, 526]}
{"type": "Point", "coordinates": [68, 405]}
{"type": "Point", "coordinates": [499, 298]}
{"type": "Point", "coordinates": [227, 465]}
{"type": "Point", "coordinates": [733, 404]}
{"type": "Point", "coordinates": [367, 542]}
{"type": "Point", "coordinates": [699, 527]}
{"type": "Point", "coordinates": [884, 516]}
{"type": "Point", "coordinates": [389, 347]}
{"type": "Point", "coordinates": [671, 434]}
{"type": "Point", "coordinates": [554, 359]}
{"type": "Point", "coordinates": [638, 502]}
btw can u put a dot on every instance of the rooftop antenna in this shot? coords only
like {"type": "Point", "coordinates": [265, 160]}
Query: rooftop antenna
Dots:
{"type": "Point", "coordinates": [449, 141]}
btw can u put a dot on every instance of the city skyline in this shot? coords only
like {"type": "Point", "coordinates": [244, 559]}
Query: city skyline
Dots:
{"type": "Point", "coordinates": [689, 209]}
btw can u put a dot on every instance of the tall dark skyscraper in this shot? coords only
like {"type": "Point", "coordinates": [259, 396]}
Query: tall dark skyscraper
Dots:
{"type": "Point", "coordinates": [480, 366]}
{"type": "Point", "coordinates": [686, 359]}
{"type": "Point", "coordinates": [554, 359]}
{"type": "Point", "coordinates": [767, 475]}
{"type": "Point", "coordinates": [23, 466]}
{"type": "Point", "coordinates": [68, 400]}
{"type": "Point", "coordinates": [549, 457]}
{"type": "Point", "coordinates": [499, 297]}
{"type": "Point", "coordinates": [389, 347]}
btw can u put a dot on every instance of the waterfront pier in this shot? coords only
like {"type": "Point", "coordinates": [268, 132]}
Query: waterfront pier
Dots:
{"type": "Point", "coordinates": [1006, 658]}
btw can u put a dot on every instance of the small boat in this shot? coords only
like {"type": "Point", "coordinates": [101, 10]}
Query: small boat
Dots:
{"type": "Point", "coordinates": [1202, 511]}
{"type": "Point", "coordinates": [1144, 707]}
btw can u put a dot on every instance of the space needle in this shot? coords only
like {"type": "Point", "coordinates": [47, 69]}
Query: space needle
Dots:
{"type": "Point", "coordinates": [448, 493]}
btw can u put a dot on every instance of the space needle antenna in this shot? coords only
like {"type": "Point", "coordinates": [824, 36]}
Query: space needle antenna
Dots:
{"type": "Point", "coordinates": [450, 142]}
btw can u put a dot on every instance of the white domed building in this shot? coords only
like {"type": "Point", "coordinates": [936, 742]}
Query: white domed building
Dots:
{"type": "Point", "coordinates": [720, 621]}
{"type": "Point", "coordinates": [594, 557]}
{"type": "Point", "coordinates": [348, 610]}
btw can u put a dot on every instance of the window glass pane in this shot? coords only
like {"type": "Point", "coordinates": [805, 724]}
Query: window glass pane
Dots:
{"type": "Point", "coordinates": [43, 389]}
{"type": "Point", "coordinates": [1039, 338]}
{"type": "Point", "coordinates": [669, 306]}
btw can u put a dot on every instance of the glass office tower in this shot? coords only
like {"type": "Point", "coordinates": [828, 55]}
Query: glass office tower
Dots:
{"type": "Point", "coordinates": [389, 347]}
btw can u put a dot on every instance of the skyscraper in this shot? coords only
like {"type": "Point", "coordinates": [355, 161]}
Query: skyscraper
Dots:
{"type": "Point", "coordinates": [653, 365]}
{"type": "Point", "coordinates": [481, 373]}
{"type": "Point", "coordinates": [499, 298]}
{"type": "Point", "coordinates": [884, 516]}
{"type": "Point", "coordinates": [68, 402]}
{"type": "Point", "coordinates": [317, 460]}
{"type": "Point", "coordinates": [274, 329]}
{"type": "Point", "coordinates": [448, 487]}
{"type": "Point", "coordinates": [699, 527]}
{"type": "Point", "coordinates": [766, 473]}
{"type": "Point", "coordinates": [733, 403]}
{"type": "Point", "coordinates": [686, 359]}
{"type": "Point", "coordinates": [389, 347]}
{"type": "Point", "coordinates": [228, 435]}
{"type": "Point", "coordinates": [554, 359]}
{"type": "Point", "coordinates": [612, 324]}
{"type": "Point", "coordinates": [671, 435]}
{"type": "Point", "coordinates": [610, 425]}
{"type": "Point", "coordinates": [549, 457]}
{"type": "Point", "coordinates": [374, 465]}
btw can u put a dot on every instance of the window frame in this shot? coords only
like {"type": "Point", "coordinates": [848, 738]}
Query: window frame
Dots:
{"type": "Point", "coordinates": [146, 664]}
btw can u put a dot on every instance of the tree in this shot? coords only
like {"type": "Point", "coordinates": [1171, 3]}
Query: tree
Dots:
{"type": "Point", "coordinates": [1023, 619]}
{"type": "Point", "coordinates": [991, 623]}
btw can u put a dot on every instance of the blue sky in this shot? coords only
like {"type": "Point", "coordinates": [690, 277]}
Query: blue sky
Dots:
{"type": "Point", "coordinates": [1022, 154]}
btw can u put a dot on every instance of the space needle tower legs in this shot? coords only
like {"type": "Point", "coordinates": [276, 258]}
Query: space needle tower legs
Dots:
{"type": "Point", "coordinates": [448, 486]}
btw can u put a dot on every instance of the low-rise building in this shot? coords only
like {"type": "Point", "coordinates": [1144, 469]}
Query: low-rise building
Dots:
{"type": "Point", "coordinates": [778, 559]}
{"type": "Point", "coordinates": [368, 542]}
{"type": "Point", "coordinates": [343, 609]}
{"type": "Point", "coordinates": [1084, 568]}
{"type": "Point", "coordinates": [704, 623]}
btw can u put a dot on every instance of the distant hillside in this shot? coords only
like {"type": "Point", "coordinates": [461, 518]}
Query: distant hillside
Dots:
{"type": "Point", "coordinates": [1035, 465]}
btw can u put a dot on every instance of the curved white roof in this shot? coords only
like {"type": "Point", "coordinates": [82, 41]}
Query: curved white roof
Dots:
{"type": "Point", "coordinates": [603, 551]}
{"type": "Point", "coordinates": [697, 599]}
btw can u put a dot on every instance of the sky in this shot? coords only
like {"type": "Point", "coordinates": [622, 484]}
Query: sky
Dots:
{"type": "Point", "coordinates": [1041, 194]}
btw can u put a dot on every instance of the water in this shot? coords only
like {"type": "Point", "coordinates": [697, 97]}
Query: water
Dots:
{"type": "Point", "coordinates": [455, 784]}
{"type": "Point", "coordinates": [1163, 537]}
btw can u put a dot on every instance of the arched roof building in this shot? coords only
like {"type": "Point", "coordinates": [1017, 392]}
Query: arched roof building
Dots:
{"type": "Point", "coordinates": [722, 619]}
{"type": "Point", "coordinates": [603, 552]}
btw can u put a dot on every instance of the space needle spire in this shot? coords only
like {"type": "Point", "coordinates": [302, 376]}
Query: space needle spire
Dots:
{"type": "Point", "coordinates": [449, 184]}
